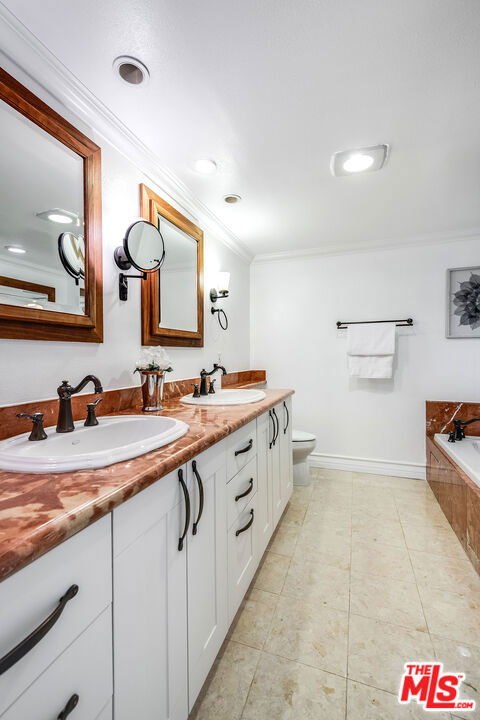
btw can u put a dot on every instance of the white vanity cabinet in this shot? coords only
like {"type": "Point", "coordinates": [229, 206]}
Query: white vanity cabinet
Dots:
{"type": "Point", "coordinates": [150, 603]}
{"type": "Point", "coordinates": [284, 440]}
{"type": "Point", "coordinates": [206, 551]}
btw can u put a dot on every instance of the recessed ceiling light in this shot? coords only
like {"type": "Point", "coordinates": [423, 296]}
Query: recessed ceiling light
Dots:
{"type": "Point", "coordinates": [131, 70]}
{"type": "Point", "coordinates": [367, 159]}
{"type": "Point", "coordinates": [15, 249]}
{"type": "Point", "coordinates": [36, 305]}
{"type": "Point", "coordinates": [205, 166]}
{"type": "Point", "coordinates": [57, 215]}
{"type": "Point", "coordinates": [232, 199]}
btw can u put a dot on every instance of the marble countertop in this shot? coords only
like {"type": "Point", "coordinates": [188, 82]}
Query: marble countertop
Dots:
{"type": "Point", "coordinates": [38, 512]}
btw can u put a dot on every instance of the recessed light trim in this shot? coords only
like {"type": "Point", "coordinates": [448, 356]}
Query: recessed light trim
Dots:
{"type": "Point", "coordinates": [16, 249]}
{"type": "Point", "coordinates": [131, 71]}
{"type": "Point", "coordinates": [231, 199]}
{"type": "Point", "coordinates": [205, 166]}
{"type": "Point", "coordinates": [60, 216]}
{"type": "Point", "coordinates": [359, 160]}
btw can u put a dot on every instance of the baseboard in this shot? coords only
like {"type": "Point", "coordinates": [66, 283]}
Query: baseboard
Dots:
{"type": "Point", "coordinates": [368, 465]}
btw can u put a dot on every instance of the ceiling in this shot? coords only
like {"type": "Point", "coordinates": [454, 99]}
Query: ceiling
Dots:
{"type": "Point", "coordinates": [271, 88]}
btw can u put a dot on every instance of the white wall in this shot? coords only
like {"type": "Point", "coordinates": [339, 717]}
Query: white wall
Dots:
{"type": "Point", "coordinates": [32, 370]}
{"type": "Point", "coordinates": [296, 304]}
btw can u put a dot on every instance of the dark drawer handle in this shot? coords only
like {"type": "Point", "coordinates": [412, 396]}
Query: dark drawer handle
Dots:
{"type": "Point", "coordinates": [245, 449]}
{"type": "Point", "coordinates": [270, 442]}
{"type": "Point", "coordinates": [245, 527]}
{"type": "Point", "coordinates": [200, 491]}
{"type": "Point", "coordinates": [288, 418]}
{"type": "Point", "coordinates": [187, 510]}
{"type": "Point", "coordinates": [247, 491]}
{"type": "Point", "coordinates": [69, 707]}
{"type": "Point", "coordinates": [29, 643]}
{"type": "Point", "coordinates": [277, 422]}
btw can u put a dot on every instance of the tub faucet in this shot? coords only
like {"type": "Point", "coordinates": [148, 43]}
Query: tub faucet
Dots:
{"type": "Point", "coordinates": [460, 425]}
{"type": "Point", "coordinates": [204, 374]}
{"type": "Point", "coordinates": [65, 392]}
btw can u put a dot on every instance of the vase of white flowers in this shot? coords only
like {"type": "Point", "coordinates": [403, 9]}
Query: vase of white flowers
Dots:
{"type": "Point", "coordinates": [152, 365]}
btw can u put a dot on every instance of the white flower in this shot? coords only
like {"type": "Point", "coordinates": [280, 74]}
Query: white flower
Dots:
{"type": "Point", "coordinates": [153, 358]}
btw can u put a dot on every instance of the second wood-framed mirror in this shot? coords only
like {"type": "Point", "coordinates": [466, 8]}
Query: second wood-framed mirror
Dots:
{"type": "Point", "coordinates": [172, 298]}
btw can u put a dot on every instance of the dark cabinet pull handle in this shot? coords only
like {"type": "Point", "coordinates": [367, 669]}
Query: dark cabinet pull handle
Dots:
{"type": "Point", "coordinates": [18, 652]}
{"type": "Point", "coordinates": [288, 418]}
{"type": "Point", "coordinates": [247, 491]}
{"type": "Point", "coordinates": [245, 527]}
{"type": "Point", "coordinates": [200, 491]}
{"type": "Point", "coordinates": [245, 449]}
{"type": "Point", "coordinates": [69, 707]}
{"type": "Point", "coordinates": [277, 421]}
{"type": "Point", "coordinates": [187, 510]}
{"type": "Point", "coordinates": [270, 443]}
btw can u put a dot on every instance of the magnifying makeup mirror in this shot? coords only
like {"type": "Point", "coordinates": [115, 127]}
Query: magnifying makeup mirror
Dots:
{"type": "Point", "coordinates": [143, 247]}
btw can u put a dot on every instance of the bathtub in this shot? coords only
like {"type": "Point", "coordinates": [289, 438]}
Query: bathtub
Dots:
{"type": "Point", "coordinates": [466, 453]}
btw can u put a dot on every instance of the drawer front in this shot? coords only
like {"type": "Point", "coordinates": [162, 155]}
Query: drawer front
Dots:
{"type": "Point", "coordinates": [242, 556]}
{"type": "Point", "coordinates": [32, 594]}
{"type": "Point", "coordinates": [83, 669]}
{"type": "Point", "coordinates": [243, 484]}
{"type": "Point", "coordinates": [242, 447]}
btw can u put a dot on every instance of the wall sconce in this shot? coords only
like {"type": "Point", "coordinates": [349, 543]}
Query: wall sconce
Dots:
{"type": "Point", "coordinates": [143, 247]}
{"type": "Point", "coordinates": [220, 292]}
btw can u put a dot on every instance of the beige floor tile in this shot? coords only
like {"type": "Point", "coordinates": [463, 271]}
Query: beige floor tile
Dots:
{"type": "Point", "coordinates": [294, 514]}
{"type": "Point", "coordinates": [224, 694]}
{"type": "Point", "coordinates": [284, 540]}
{"type": "Point", "coordinates": [338, 476]}
{"type": "Point", "coordinates": [422, 513]}
{"type": "Point", "coordinates": [271, 575]}
{"type": "Point", "coordinates": [452, 616]}
{"type": "Point", "coordinates": [433, 539]}
{"type": "Point", "coordinates": [445, 573]}
{"type": "Point", "coordinates": [301, 494]}
{"type": "Point", "coordinates": [386, 481]}
{"type": "Point", "coordinates": [254, 618]}
{"type": "Point", "coordinates": [393, 601]}
{"type": "Point", "coordinates": [368, 703]}
{"type": "Point", "coordinates": [461, 658]}
{"type": "Point", "coordinates": [310, 634]}
{"type": "Point", "coordinates": [287, 690]}
{"type": "Point", "coordinates": [378, 651]}
{"type": "Point", "coordinates": [314, 583]}
{"type": "Point", "coordinates": [324, 546]}
{"type": "Point", "coordinates": [383, 560]}
{"type": "Point", "coordinates": [323, 514]}
{"type": "Point", "coordinates": [377, 530]}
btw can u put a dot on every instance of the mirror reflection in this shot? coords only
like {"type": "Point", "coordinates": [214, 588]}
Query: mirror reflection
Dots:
{"type": "Point", "coordinates": [41, 199]}
{"type": "Point", "coordinates": [178, 279]}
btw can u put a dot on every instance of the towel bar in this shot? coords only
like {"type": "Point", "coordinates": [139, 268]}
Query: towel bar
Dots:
{"type": "Point", "coordinates": [408, 322]}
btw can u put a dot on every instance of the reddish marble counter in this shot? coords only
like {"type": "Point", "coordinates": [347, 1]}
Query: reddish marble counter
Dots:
{"type": "Point", "coordinates": [37, 512]}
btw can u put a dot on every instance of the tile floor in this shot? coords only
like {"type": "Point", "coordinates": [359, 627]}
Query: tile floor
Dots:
{"type": "Point", "coordinates": [363, 574]}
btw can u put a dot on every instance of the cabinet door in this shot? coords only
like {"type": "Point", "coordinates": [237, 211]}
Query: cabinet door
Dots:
{"type": "Point", "coordinates": [285, 443]}
{"type": "Point", "coordinates": [242, 555]}
{"type": "Point", "coordinates": [274, 465]}
{"type": "Point", "coordinates": [264, 519]}
{"type": "Point", "coordinates": [150, 605]}
{"type": "Point", "coordinates": [207, 564]}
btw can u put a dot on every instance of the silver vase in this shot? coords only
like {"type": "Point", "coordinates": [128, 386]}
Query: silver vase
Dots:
{"type": "Point", "coordinates": [152, 389]}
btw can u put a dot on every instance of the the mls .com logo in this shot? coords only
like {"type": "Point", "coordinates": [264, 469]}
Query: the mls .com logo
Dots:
{"type": "Point", "coordinates": [431, 687]}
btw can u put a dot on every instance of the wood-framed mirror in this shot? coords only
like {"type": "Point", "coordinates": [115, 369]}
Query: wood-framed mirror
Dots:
{"type": "Point", "coordinates": [50, 223]}
{"type": "Point", "coordinates": [172, 298]}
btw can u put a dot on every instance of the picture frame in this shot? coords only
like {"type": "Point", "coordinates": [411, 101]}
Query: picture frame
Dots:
{"type": "Point", "coordinates": [463, 303]}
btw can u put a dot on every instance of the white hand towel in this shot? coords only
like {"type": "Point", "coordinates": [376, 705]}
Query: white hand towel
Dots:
{"type": "Point", "coordinates": [370, 349]}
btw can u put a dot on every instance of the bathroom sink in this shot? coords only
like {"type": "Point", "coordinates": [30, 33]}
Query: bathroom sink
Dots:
{"type": "Point", "coordinates": [113, 440]}
{"type": "Point", "coordinates": [226, 397]}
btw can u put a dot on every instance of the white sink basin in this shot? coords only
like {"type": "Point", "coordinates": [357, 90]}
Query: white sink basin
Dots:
{"type": "Point", "coordinates": [114, 439]}
{"type": "Point", "coordinates": [226, 397]}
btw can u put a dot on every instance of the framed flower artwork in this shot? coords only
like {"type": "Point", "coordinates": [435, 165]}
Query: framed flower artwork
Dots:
{"type": "Point", "coordinates": [463, 303]}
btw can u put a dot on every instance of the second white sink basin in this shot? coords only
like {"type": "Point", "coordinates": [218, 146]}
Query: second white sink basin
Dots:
{"type": "Point", "coordinates": [226, 397]}
{"type": "Point", "coordinates": [113, 440]}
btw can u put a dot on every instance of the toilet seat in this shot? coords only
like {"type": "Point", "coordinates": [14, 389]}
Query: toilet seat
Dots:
{"type": "Point", "coordinates": [300, 436]}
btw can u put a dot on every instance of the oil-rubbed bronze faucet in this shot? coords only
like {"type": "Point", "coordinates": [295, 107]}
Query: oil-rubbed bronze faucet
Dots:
{"type": "Point", "coordinates": [65, 392]}
{"type": "Point", "coordinates": [204, 374]}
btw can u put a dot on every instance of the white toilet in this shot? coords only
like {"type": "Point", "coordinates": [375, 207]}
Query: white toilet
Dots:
{"type": "Point", "coordinates": [303, 444]}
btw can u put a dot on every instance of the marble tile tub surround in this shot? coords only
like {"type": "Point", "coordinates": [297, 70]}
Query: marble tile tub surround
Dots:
{"type": "Point", "coordinates": [113, 401]}
{"type": "Point", "coordinates": [439, 416]}
{"type": "Point", "coordinates": [37, 512]}
{"type": "Point", "coordinates": [328, 623]}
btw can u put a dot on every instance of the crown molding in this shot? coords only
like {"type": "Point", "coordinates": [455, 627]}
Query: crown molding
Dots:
{"type": "Point", "coordinates": [404, 243]}
{"type": "Point", "coordinates": [31, 57]}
